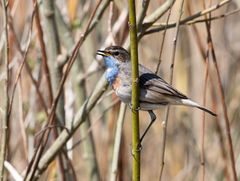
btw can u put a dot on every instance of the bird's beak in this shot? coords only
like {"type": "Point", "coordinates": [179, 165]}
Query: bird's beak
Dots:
{"type": "Point", "coordinates": [103, 53]}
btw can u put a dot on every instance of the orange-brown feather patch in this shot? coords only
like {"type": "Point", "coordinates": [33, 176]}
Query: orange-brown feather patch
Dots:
{"type": "Point", "coordinates": [117, 83]}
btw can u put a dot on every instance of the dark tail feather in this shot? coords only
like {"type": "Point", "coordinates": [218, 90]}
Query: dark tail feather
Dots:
{"type": "Point", "coordinates": [189, 102]}
{"type": "Point", "coordinates": [206, 110]}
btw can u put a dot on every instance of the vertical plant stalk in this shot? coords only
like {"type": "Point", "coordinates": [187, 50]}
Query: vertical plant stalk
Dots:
{"type": "Point", "coordinates": [203, 116]}
{"type": "Point", "coordinates": [31, 174]}
{"type": "Point", "coordinates": [225, 114]}
{"type": "Point", "coordinates": [204, 98]}
{"type": "Point", "coordinates": [164, 36]}
{"type": "Point", "coordinates": [52, 53]}
{"type": "Point", "coordinates": [43, 50]}
{"type": "Point", "coordinates": [110, 20]}
{"type": "Point", "coordinates": [5, 116]}
{"type": "Point", "coordinates": [24, 54]}
{"type": "Point", "coordinates": [218, 127]}
{"type": "Point", "coordinates": [117, 143]}
{"type": "Point", "coordinates": [171, 80]}
{"type": "Point", "coordinates": [135, 91]}
{"type": "Point", "coordinates": [81, 96]}
{"type": "Point", "coordinates": [19, 71]}
{"type": "Point", "coordinates": [56, 73]}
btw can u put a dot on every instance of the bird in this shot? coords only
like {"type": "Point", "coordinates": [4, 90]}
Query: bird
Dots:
{"type": "Point", "coordinates": [154, 91]}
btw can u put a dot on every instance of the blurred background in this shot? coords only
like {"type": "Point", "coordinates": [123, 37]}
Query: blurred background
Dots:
{"type": "Point", "coordinates": [88, 154]}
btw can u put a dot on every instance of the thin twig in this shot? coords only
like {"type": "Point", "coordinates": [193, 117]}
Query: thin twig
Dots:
{"type": "Point", "coordinates": [51, 127]}
{"type": "Point", "coordinates": [143, 14]}
{"type": "Point", "coordinates": [23, 138]}
{"type": "Point", "coordinates": [96, 66]}
{"type": "Point", "coordinates": [56, 74]}
{"type": "Point", "coordinates": [157, 14]}
{"type": "Point", "coordinates": [203, 115]}
{"type": "Point", "coordinates": [23, 53]}
{"type": "Point", "coordinates": [204, 102]}
{"type": "Point", "coordinates": [204, 98]}
{"type": "Point", "coordinates": [226, 119]}
{"type": "Point", "coordinates": [152, 18]}
{"type": "Point", "coordinates": [92, 168]}
{"type": "Point", "coordinates": [212, 18]}
{"type": "Point", "coordinates": [44, 54]}
{"type": "Point", "coordinates": [161, 49]}
{"type": "Point", "coordinates": [218, 127]}
{"type": "Point", "coordinates": [117, 26]}
{"type": "Point", "coordinates": [22, 64]}
{"type": "Point", "coordinates": [59, 91]}
{"type": "Point", "coordinates": [110, 19]}
{"type": "Point", "coordinates": [93, 124]}
{"type": "Point", "coordinates": [188, 19]}
{"type": "Point", "coordinates": [195, 21]}
{"type": "Point", "coordinates": [171, 80]}
{"type": "Point", "coordinates": [78, 120]}
{"type": "Point", "coordinates": [98, 16]}
{"type": "Point", "coordinates": [5, 117]}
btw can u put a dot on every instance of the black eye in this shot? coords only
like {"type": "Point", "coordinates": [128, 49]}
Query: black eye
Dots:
{"type": "Point", "coordinates": [116, 53]}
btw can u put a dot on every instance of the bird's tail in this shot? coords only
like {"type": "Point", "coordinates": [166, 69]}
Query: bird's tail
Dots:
{"type": "Point", "coordinates": [188, 102]}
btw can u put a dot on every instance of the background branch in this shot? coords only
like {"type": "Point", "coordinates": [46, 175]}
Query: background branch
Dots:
{"type": "Point", "coordinates": [78, 29]}
{"type": "Point", "coordinates": [165, 123]}
{"type": "Point", "coordinates": [66, 135]}
{"type": "Point", "coordinates": [4, 115]}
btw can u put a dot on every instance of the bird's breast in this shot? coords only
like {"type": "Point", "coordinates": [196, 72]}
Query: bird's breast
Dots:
{"type": "Point", "coordinates": [116, 83]}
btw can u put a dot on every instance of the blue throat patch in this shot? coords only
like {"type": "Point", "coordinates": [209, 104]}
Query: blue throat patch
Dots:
{"type": "Point", "coordinates": [112, 69]}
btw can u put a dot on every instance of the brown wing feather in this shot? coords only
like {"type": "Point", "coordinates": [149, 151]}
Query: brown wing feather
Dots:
{"type": "Point", "coordinates": [152, 82]}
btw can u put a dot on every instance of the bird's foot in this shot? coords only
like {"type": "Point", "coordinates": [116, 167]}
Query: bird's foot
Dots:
{"type": "Point", "coordinates": [130, 106]}
{"type": "Point", "coordinates": [139, 148]}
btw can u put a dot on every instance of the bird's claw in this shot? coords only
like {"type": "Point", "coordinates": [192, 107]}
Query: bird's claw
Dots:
{"type": "Point", "coordinates": [137, 109]}
{"type": "Point", "coordinates": [139, 148]}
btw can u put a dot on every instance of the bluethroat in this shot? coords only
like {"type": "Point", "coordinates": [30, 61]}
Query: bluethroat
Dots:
{"type": "Point", "coordinates": [154, 91]}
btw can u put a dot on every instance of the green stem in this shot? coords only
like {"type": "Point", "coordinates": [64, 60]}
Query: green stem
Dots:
{"type": "Point", "coordinates": [135, 91]}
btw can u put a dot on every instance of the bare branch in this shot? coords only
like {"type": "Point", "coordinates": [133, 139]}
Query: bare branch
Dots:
{"type": "Point", "coordinates": [78, 120]}
{"type": "Point", "coordinates": [4, 116]}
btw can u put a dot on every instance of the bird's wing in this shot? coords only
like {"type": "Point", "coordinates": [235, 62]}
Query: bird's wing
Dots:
{"type": "Point", "coordinates": [155, 88]}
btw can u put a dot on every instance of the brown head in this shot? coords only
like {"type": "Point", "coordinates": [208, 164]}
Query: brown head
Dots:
{"type": "Point", "coordinates": [117, 52]}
